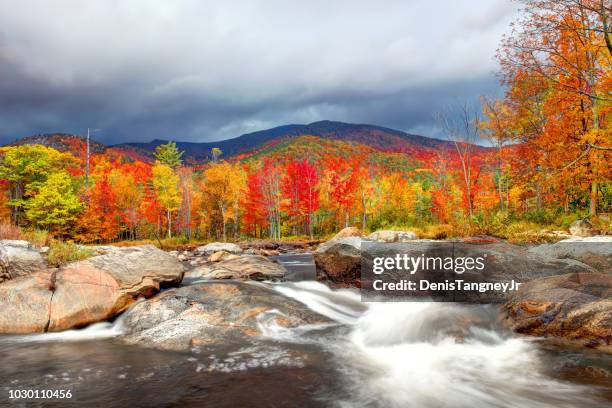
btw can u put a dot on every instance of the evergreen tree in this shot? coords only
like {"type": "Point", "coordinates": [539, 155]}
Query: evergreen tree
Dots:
{"type": "Point", "coordinates": [169, 154]}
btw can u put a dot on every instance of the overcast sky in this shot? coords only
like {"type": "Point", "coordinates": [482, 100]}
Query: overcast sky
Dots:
{"type": "Point", "coordinates": [210, 70]}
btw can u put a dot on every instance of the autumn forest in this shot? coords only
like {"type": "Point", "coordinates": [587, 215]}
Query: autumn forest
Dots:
{"type": "Point", "coordinates": [537, 157]}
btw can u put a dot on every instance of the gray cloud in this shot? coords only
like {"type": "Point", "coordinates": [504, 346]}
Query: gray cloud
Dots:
{"type": "Point", "coordinates": [200, 71]}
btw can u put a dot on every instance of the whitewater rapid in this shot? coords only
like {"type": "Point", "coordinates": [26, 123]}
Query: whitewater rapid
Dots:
{"type": "Point", "coordinates": [426, 354]}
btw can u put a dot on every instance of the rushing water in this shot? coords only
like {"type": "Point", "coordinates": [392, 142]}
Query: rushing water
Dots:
{"type": "Point", "coordinates": [373, 355]}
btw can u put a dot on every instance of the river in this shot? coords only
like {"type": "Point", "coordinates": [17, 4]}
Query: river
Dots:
{"type": "Point", "coordinates": [373, 355]}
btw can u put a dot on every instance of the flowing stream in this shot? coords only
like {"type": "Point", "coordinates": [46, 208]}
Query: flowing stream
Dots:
{"type": "Point", "coordinates": [371, 355]}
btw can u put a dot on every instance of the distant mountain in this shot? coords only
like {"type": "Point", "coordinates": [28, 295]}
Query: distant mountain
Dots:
{"type": "Point", "coordinates": [77, 145]}
{"type": "Point", "coordinates": [63, 142]}
{"type": "Point", "coordinates": [258, 143]}
{"type": "Point", "coordinates": [378, 137]}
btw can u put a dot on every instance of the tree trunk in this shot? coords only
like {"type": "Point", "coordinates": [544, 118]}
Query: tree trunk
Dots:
{"type": "Point", "coordinates": [169, 224]}
{"type": "Point", "coordinates": [593, 199]}
{"type": "Point", "coordinates": [538, 196]}
{"type": "Point", "coordinates": [223, 222]}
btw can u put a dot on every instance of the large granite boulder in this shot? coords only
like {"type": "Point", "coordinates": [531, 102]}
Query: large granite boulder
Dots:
{"type": "Point", "coordinates": [18, 258]}
{"type": "Point", "coordinates": [213, 247]}
{"type": "Point", "coordinates": [86, 291]}
{"type": "Point", "coordinates": [574, 308]}
{"type": "Point", "coordinates": [594, 251]}
{"type": "Point", "coordinates": [245, 267]}
{"type": "Point", "coordinates": [25, 303]}
{"type": "Point", "coordinates": [212, 314]}
{"type": "Point", "coordinates": [393, 236]}
{"type": "Point", "coordinates": [339, 260]}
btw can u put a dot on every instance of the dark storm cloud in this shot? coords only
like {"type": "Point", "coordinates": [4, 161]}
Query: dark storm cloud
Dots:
{"type": "Point", "coordinates": [200, 71]}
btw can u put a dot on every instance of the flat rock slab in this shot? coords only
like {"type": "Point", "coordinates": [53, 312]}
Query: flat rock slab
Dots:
{"type": "Point", "coordinates": [212, 314]}
{"type": "Point", "coordinates": [245, 267]}
{"type": "Point", "coordinates": [213, 247]}
{"type": "Point", "coordinates": [393, 236]}
{"type": "Point", "coordinates": [594, 251]}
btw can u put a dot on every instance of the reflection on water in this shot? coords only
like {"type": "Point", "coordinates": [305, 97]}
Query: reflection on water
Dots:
{"type": "Point", "coordinates": [101, 373]}
{"type": "Point", "coordinates": [372, 355]}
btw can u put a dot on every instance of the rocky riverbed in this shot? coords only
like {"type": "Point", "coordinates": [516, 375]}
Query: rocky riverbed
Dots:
{"type": "Point", "coordinates": [226, 316]}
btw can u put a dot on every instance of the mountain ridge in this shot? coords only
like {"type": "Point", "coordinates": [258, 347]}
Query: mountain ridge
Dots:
{"type": "Point", "coordinates": [379, 137]}
{"type": "Point", "coordinates": [382, 138]}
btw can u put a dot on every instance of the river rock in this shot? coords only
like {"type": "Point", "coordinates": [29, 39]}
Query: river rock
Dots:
{"type": "Point", "coordinates": [392, 236]}
{"type": "Point", "coordinates": [339, 260]}
{"type": "Point", "coordinates": [18, 258]}
{"type": "Point", "coordinates": [25, 303]}
{"type": "Point", "coordinates": [348, 232]}
{"type": "Point", "coordinates": [245, 267]}
{"type": "Point", "coordinates": [574, 308]}
{"type": "Point", "coordinates": [86, 291]}
{"type": "Point", "coordinates": [219, 256]}
{"type": "Point", "coordinates": [582, 228]}
{"type": "Point", "coordinates": [594, 251]}
{"type": "Point", "coordinates": [212, 314]}
{"type": "Point", "coordinates": [213, 247]}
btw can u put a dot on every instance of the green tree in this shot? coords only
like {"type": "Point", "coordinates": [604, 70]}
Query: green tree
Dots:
{"type": "Point", "coordinates": [26, 167]}
{"type": "Point", "coordinates": [54, 205]}
{"type": "Point", "coordinates": [165, 183]}
{"type": "Point", "coordinates": [169, 154]}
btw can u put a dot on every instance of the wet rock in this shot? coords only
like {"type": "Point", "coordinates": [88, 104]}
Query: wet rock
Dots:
{"type": "Point", "coordinates": [392, 236]}
{"type": "Point", "coordinates": [339, 260]}
{"type": "Point", "coordinates": [18, 258]}
{"type": "Point", "coordinates": [246, 267]}
{"type": "Point", "coordinates": [348, 232]}
{"type": "Point", "coordinates": [574, 308]}
{"type": "Point", "coordinates": [87, 291]}
{"type": "Point", "coordinates": [583, 228]}
{"type": "Point", "coordinates": [212, 313]}
{"type": "Point", "coordinates": [213, 247]}
{"type": "Point", "coordinates": [269, 252]}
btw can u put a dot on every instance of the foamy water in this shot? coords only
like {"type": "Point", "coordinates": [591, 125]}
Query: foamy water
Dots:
{"type": "Point", "coordinates": [427, 354]}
